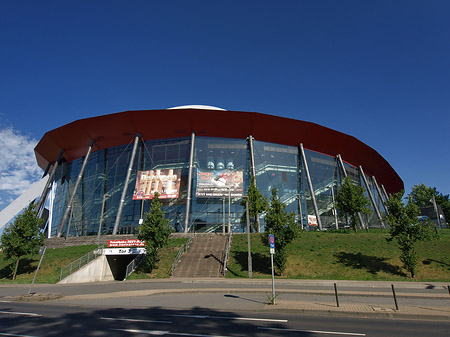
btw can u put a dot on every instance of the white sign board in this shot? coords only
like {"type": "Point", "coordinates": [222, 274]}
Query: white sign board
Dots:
{"type": "Point", "coordinates": [125, 251]}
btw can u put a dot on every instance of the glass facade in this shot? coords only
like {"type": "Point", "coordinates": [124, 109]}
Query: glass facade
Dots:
{"type": "Point", "coordinates": [220, 177]}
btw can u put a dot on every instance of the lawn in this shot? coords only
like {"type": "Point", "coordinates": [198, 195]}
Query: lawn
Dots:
{"type": "Point", "coordinates": [343, 256]}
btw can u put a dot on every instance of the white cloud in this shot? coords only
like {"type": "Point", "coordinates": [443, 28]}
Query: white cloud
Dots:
{"type": "Point", "coordinates": [18, 167]}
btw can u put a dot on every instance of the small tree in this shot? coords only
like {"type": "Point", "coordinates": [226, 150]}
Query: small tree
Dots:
{"type": "Point", "coordinates": [406, 230]}
{"type": "Point", "coordinates": [422, 196]}
{"type": "Point", "coordinates": [282, 225]}
{"type": "Point", "coordinates": [155, 231]}
{"type": "Point", "coordinates": [257, 204]}
{"type": "Point", "coordinates": [350, 201]}
{"type": "Point", "coordinates": [22, 237]}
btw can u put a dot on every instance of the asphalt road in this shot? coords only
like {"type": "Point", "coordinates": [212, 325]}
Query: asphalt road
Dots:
{"type": "Point", "coordinates": [49, 319]}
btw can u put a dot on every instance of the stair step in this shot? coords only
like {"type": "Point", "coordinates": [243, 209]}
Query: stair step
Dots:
{"type": "Point", "coordinates": [204, 257]}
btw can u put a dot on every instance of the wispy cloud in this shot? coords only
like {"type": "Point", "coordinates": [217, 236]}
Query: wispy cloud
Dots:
{"type": "Point", "coordinates": [18, 167]}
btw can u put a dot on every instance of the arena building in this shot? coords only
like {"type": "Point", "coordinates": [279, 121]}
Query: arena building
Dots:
{"type": "Point", "coordinates": [102, 171]}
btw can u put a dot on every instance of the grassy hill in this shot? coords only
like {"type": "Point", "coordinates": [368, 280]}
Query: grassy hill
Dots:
{"type": "Point", "coordinates": [314, 255]}
{"type": "Point", "coordinates": [343, 256]}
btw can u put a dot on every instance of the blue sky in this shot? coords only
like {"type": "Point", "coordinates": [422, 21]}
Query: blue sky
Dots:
{"type": "Point", "coordinates": [377, 70]}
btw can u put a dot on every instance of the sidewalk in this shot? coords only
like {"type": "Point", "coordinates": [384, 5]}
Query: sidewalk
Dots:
{"type": "Point", "coordinates": [429, 301]}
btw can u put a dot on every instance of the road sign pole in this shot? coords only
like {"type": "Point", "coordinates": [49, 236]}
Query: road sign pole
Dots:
{"type": "Point", "coordinates": [272, 251]}
{"type": "Point", "coordinates": [273, 279]}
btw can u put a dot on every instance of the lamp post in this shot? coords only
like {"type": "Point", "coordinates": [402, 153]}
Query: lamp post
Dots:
{"type": "Point", "coordinates": [250, 267]}
{"type": "Point", "coordinates": [229, 209]}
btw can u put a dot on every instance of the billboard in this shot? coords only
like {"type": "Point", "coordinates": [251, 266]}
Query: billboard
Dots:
{"type": "Point", "coordinates": [219, 183]}
{"type": "Point", "coordinates": [312, 220]}
{"type": "Point", "coordinates": [165, 182]}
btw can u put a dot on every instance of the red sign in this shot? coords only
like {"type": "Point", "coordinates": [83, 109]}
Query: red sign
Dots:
{"type": "Point", "coordinates": [126, 243]}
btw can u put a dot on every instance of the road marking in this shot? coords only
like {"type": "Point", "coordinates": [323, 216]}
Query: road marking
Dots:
{"type": "Point", "coordinates": [14, 335]}
{"type": "Point", "coordinates": [235, 318]}
{"type": "Point", "coordinates": [161, 333]}
{"type": "Point", "coordinates": [134, 320]}
{"type": "Point", "coordinates": [20, 313]}
{"type": "Point", "coordinates": [315, 331]}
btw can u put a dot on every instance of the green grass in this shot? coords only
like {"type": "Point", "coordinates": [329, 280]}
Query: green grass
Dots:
{"type": "Point", "coordinates": [314, 255]}
{"type": "Point", "coordinates": [163, 267]}
{"type": "Point", "coordinates": [343, 256]}
{"type": "Point", "coordinates": [54, 260]}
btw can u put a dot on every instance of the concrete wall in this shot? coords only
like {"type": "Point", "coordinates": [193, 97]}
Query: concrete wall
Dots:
{"type": "Point", "coordinates": [95, 271]}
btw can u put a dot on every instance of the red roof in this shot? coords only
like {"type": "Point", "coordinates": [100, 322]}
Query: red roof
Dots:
{"type": "Point", "coordinates": [120, 128]}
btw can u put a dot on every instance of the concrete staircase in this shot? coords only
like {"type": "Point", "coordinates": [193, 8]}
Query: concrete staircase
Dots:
{"type": "Point", "coordinates": [204, 258]}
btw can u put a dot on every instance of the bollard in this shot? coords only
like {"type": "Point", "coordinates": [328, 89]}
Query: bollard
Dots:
{"type": "Point", "coordinates": [448, 288]}
{"type": "Point", "coordinates": [395, 297]}
{"type": "Point", "coordinates": [336, 294]}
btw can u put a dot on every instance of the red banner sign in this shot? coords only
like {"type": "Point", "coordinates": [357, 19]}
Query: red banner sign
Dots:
{"type": "Point", "coordinates": [126, 243]}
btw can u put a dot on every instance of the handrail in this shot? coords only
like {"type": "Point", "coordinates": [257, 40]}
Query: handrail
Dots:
{"type": "Point", "coordinates": [183, 249]}
{"type": "Point", "coordinates": [133, 265]}
{"type": "Point", "coordinates": [82, 261]}
{"type": "Point", "coordinates": [227, 251]}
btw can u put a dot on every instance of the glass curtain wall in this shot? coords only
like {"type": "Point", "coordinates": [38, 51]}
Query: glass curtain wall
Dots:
{"type": "Point", "coordinates": [220, 176]}
{"type": "Point", "coordinates": [170, 158]}
{"type": "Point", "coordinates": [103, 182]}
{"type": "Point", "coordinates": [276, 166]}
{"type": "Point", "coordinates": [323, 172]}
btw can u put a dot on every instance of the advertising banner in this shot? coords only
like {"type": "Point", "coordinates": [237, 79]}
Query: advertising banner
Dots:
{"type": "Point", "coordinates": [312, 220]}
{"type": "Point", "coordinates": [165, 182]}
{"type": "Point", "coordinates": [220, 183]}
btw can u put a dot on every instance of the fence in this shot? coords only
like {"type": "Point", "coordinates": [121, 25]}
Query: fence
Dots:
{"type": "Point", "coordinates": [82, 261]}
{"type": "Point", "coordinates": [227, 252]}
{"type": "Point", "coordinates": [133, 265]}
{"type": "Point", "coordinates": [183, 249]}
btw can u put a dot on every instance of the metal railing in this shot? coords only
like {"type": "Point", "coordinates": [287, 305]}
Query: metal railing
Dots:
{"type": "Point", "coordinates": [82, 261]}
{"type": "Point", "coordinates": [227, 252]}
{"type": "Point", "coordinates": [183, 249]}
{"type": "Point", "coordinates": [133, 265]}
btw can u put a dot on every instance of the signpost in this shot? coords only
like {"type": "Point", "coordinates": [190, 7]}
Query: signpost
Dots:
{"type": "Point", "coordinates": [272, 251]}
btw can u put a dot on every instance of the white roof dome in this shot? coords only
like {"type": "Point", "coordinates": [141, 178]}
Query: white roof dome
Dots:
{"type": "Point", "coordinates": [205, 107]}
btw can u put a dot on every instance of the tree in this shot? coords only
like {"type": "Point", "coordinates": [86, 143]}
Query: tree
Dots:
{"type": "Point", "coordinates": [406, 230]}
{"type": "Point", "coordinates": [422, 196]}
{"type": "Point", "coordinates": [282, 225]}
{"type": "Point", "coordinates": [155, 231]}
{"type": "Point", "coordinates": [350, 201]}
{"type": "Point", "coordinates": [257, 204]}
{"type": "Point", "coordinates": [22, 237]}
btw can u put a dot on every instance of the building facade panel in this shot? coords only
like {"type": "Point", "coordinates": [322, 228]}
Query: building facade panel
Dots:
{"type": "Point", "coordinates": [221, 170]}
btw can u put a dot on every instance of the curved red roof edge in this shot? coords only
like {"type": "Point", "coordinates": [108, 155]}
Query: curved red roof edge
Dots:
{"type": "Point", "coordinates": [120, 128]}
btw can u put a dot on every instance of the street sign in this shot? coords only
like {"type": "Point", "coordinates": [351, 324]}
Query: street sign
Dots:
{"type": "Point", "coordinates": [272, 250]}
{"type": "Point", "coordinates": [272, 241]}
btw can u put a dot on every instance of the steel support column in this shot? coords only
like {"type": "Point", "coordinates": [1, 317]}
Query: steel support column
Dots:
{"type": "Point", "coordinates": [311, 189]}
{"type": "Point", "coordinates": [380, 194]}
{"type": "Point", "coordinates": [253, 171]}
{"type": "Point", "coordinates": [69, 205]}
{"type": "Point", "coordinates": [380, 218]}
{"type": "Point", "coordinates": [125, 187]}
{"type": "Point", "coordinates": [189, 187]}
{"type": "Point", "coordinates": [334, 206]}
{"type": "Point", "coordinates": [386, 196]}
{"type": "Point", "coordinates": [41, 201]}
{"type": "Point", "coordinates": [341, 162]}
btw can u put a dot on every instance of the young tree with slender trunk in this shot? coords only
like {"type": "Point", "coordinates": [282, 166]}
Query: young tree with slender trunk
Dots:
{"type": "Point", "coordinates": [407, 230]}
{"type": "Point", "coordinates": [282, 225]}
{"type": "Point", "coordinates": [155, 231]}
{"type": "Point", "coordinates": [257, 204]}
{"type": "Point", "coordinates": [22, 237]}
{"type": "Point", "coordinates": [350, 201]}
